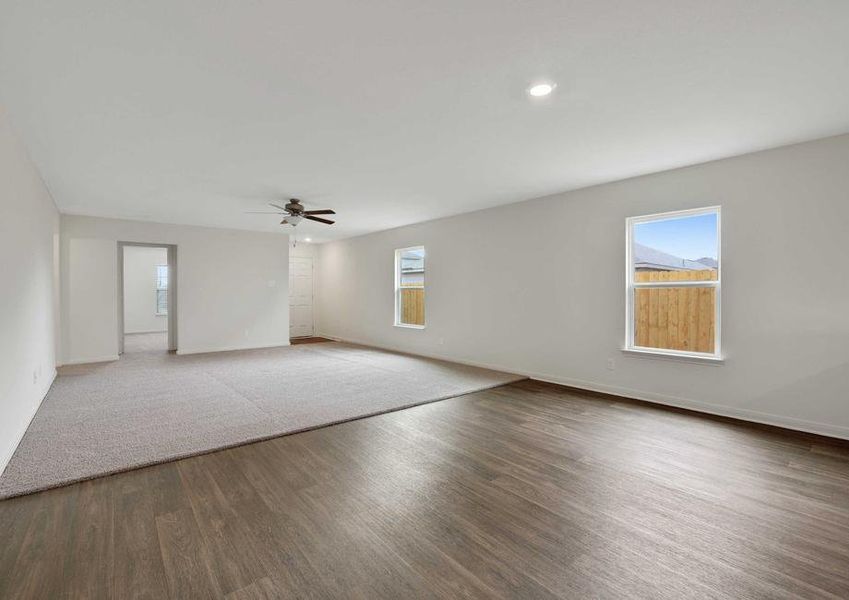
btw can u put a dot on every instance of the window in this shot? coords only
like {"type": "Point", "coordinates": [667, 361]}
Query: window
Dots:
{"type": "Point", "coordinates": [673, 287]}
{"type": "Point", "coordinates": [161, 289]}
{"type": "Point", "coordinates": [409, 287]}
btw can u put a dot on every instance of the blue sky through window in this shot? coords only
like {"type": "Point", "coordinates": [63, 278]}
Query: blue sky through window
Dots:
{"type": "Point", "coordinates": [691, 237]}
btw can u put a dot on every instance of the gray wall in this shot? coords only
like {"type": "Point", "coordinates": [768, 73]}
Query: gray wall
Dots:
{"type": "Point", "coordinates": [539, 287]}
{"type": "Point", "coordinates": [29, 245]}
{"type": "Point", "coordinates": [232, 286]}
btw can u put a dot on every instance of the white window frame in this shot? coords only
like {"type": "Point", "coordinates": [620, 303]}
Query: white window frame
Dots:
{"type": "Point", "coordinates": [398, 254]}
{"type": "Point", "coordinates": [631, 285]}
{"type": "Point", "coordinates": [159, 289]}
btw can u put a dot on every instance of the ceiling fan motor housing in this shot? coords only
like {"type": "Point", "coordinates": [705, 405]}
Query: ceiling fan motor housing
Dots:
{"type": "Point", "coordinates": [294, 206]}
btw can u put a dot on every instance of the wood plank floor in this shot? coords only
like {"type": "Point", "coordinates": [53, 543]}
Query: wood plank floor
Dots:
{"type": "Point", "coordinates": [524, 491]}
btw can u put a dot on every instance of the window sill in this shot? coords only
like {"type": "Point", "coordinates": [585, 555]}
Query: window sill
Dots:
{"type": "Point", "coordinates": [675, 356]}
{"type": "Point", "coordinates": [406, 326]}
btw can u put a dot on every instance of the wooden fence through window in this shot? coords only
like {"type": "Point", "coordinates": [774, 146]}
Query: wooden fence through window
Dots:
{"type": "Point", "coordinates": [412, 305]}
{"type": "Point", "coordinates": [675, 318]}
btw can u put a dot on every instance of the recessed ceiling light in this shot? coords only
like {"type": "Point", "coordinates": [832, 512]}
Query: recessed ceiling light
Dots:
{"type": "Point", "coordinates": [307, 239]}
{"type": "Point", "coordinates": [538, 90]}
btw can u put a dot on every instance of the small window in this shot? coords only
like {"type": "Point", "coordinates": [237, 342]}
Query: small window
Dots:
{"type": "Point", "coordinates": [673, 287]}
{"type": "Point", "coordinates": [409, 287]}
{"type": "Point", "coordinates": [162, 289]}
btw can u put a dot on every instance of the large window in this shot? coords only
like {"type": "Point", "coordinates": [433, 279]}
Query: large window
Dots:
{"type": "Point", "coordinates": [161, 289]}
{"type": "Point", "coordinates": [409, 287]}
{"type": "Point", "coordinates": [673, 287]}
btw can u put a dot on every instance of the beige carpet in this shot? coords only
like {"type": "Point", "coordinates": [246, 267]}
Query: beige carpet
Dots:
{"type": "Point", "coordinates": [152, 407]}
{"type": "Point", "coordinates": [143, 342]}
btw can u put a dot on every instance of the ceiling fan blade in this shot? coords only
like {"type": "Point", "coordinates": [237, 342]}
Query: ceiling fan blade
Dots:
{"type": "Point", "coordinates": [324, 211]}
{"type": "Point", "coordinates": [277, 206]}
{"type": "Point", "coordinates": [263, 212]}
{"type": "Point", "coordinates": [284, 222]}
{"type": "Point", "coordinates": [319, 219]}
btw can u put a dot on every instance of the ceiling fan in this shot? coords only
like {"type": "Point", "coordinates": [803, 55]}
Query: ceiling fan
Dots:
{"type": "Point", "coordinates": [294, 212]}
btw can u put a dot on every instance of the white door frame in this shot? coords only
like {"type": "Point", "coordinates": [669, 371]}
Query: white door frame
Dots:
{"type": "Point", "coordinates": [172, 292]}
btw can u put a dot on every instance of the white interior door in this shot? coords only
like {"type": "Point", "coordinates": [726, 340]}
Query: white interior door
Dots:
{"type": "Point", "coordinates": [300, 297]}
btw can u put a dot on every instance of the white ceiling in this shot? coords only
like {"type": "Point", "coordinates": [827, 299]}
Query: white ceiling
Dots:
{"type": "Point", "coordinates": [393, 112]}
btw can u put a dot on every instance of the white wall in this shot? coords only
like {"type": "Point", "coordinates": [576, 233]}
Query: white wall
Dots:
{"type": "Point", "coordinates": [538, 287]}
{"type": "Point", "coordinates": [29, 241]}
{"type": "Point", "coordinates": [140, 289]}
{"type": "Point", "coordinates": [232, 286]}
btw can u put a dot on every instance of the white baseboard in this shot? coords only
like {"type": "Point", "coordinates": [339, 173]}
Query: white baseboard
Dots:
{"type": "Point", "coordinates": [469, 363]}
{"type": "Point", "coordinates": [721, 410]}
{"type": "Point", "coordinates": [826, 429]}
{"type": "Point", "coordinates": [208, 349]}
{"type": "Point", "coordinates": [7, 455]}
{"type": "Point", "coordinates": [90, 359]}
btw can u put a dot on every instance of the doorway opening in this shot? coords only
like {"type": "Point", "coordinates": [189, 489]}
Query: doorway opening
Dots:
{"type": "Point", "coordinates": [147, 310]}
